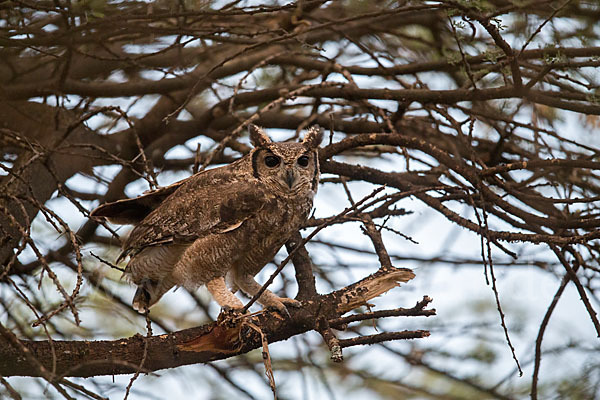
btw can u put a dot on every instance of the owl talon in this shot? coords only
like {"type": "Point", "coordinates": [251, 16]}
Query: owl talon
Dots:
{"type": "Point", "coordinates": [281, 305]}
{"type": "Point", "coordinates": [229, 308]}
{"type": "Point", "coordinates": [233, 311]}
{"type": "Point", "coordinates": [229, 315]}
{"type": "Point", "coordinates": [281, 309]}
{"type": "Point", "coordinates": [291, 302]}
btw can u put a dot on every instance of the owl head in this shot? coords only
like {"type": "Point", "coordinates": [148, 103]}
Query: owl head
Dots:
{"type": "Point", "coordinates": [290, 167]}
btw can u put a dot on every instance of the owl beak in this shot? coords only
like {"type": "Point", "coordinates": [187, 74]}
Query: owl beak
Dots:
{"type": "Point", "coordinates": [290, 178]}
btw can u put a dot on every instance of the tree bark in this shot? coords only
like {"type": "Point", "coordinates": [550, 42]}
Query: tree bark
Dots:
{"type": "Point", "coordinates": [201, 344]}
{"type": "Point", "coordinates": [48, 154]}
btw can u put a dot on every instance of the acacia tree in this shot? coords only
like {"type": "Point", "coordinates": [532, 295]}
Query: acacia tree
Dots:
{"type": "Point", "coordinates": [475, 112]}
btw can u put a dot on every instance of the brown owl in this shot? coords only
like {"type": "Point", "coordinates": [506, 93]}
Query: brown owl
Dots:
{"type": "Point", "coordinates": [222, 224]}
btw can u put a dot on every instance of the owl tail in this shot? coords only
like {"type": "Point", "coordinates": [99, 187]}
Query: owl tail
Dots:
{"type": "Point", "coordinates": [147, 293]}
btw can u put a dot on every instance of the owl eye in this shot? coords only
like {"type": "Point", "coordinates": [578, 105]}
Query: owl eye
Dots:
{"type": "Point", "coordinates": [303, 161]}
{"type": "Point", "coordinates": [272, 161]}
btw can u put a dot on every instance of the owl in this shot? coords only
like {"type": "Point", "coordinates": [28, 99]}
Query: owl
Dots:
{"type": "Point", "coordinates": [221, 226]}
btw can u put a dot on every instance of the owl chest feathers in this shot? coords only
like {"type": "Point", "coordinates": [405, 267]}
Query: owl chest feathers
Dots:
{"type": "Point", "coordinates": [264, 235]}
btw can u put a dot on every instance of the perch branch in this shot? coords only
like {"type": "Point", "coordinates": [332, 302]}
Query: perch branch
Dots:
{"type": "Point", "coordinates": [80, 358]}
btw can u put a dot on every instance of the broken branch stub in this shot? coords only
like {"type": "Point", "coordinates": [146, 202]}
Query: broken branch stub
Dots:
{"type": "Point", "coordinates": [372, 286]}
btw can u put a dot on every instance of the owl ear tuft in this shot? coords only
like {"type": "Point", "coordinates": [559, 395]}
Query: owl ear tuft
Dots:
{"type": "Point", "coordinates": [313, 137]}
{"type": "Point", "coordinates": [258, 137]}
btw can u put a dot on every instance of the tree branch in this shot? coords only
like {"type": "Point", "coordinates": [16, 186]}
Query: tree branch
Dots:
{"type": "Point", "coordinates": [190, 346]}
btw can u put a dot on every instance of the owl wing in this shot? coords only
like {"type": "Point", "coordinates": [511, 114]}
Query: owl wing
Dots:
{"type": "Point", "coordinates": [197, 208]}
{"type": "Point", "coordinates": [133, 211]}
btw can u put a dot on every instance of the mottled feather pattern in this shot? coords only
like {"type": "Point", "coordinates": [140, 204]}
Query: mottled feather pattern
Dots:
{"type": "Point", "coordinates": [223, 222]}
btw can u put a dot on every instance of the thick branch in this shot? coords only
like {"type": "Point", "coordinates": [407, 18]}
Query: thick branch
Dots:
{"type": "Point", "coordinates": [190, 346]}
{"type": "Point", "coordinates": [42, 165]}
